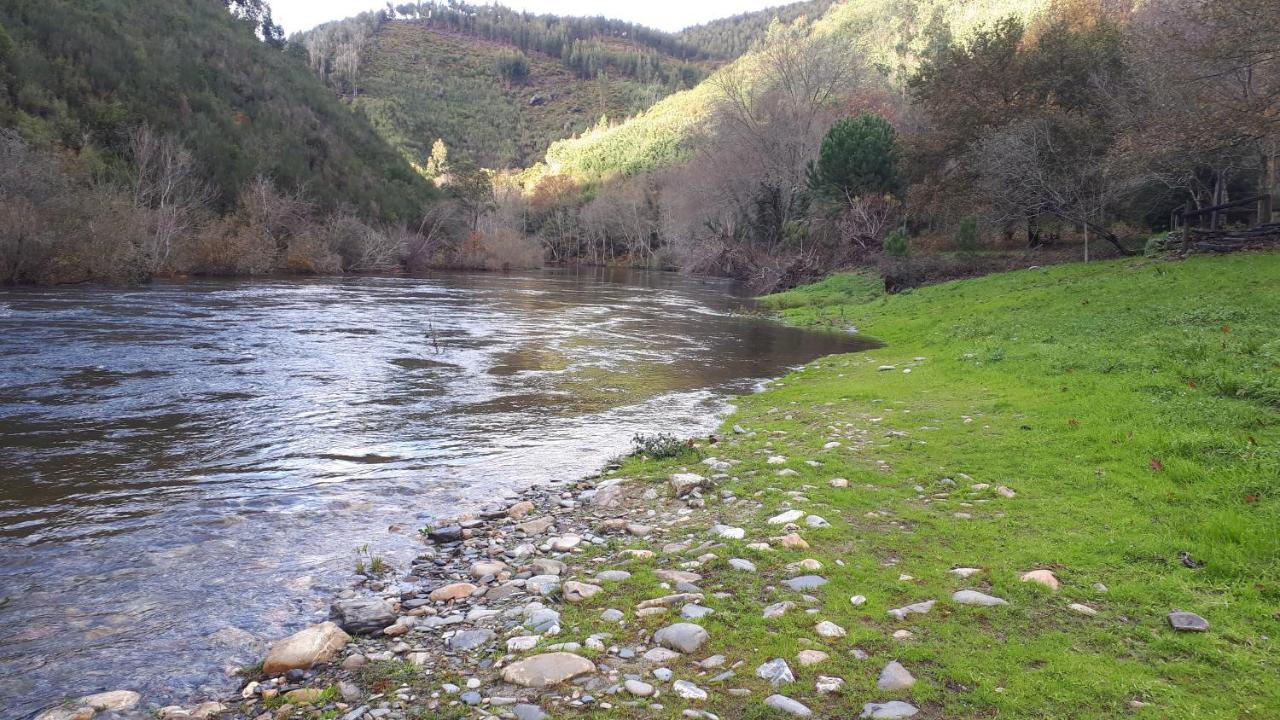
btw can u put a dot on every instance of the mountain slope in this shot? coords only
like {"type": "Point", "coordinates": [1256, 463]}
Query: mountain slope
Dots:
{"type": "Point", "coordinates": [496, 85]}
{"type": "Point", "coordinates": [81, 72]}
{"type": "Point", "coordinates": [734, 36]}
{"type": "Point", "coordinates": [887, 34]}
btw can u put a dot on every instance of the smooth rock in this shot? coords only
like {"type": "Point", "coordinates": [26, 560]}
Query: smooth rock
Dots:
{"type": "Point", "coordinates": [828, 629]}
{"type": "Point", "coordinates": [542, 584]}
{"type": "Point", "coordinates": [470, 639]}
{"type": "Point", "coordinates": [728, 532]}
{"type": "Point", "coordinates": [660, 655]}
{"type": "Point", "coordinates": [452, 591]}
{"type": "Point", "coordinates": [481, 569]}
{"type": "Point", "coordinates": [895, 677]}
{"type": "Point", "coordinates": [638, 688]}
{"type": "Point", "coordinates": [973, 597]}
{"type": "Point", "coordinates": [1043, 577]}
{"type": "Point", "coordinates": [537, 526]}
{"type": "Point", "coordinates": [525, 711]}
{"type": "Point", "coordinates": [520, 509]}
{"type": "Point", "coordinates": [1187, 622]}
{"type": "Point", "coordinates": [694, 611]}
{"type": "Point", "coordinates": [613, 576]}
{"type": "Point", "coordinates": [810, 657]}
{"type": "Point", "coordinates": [741, 564]}
{"type": "Point", "coordinates": [892, 710]}
{"type": "Point", "coordinates": [362, 615]}
{"type": "Point", "coordinates": [964, 572]}
{"type": "Point", "coordinates": [794, 542]}
{"type": "Point", "coordinates": [612, 615]}
{"type": "Point", "coordinates": [1083, 609]}
{"type": "Point", "coordinates": [301, 650]}
{"type": "Point", "coordinates": [787, 705]}
{"type": "Point", "coordinates": [778, 609]}
{"type": "Point", "coordinates": [805, 582]}
{"type": "Point", "coordinates": [677, 576]}
{"type": "Point", "coordinates": [576, 592]}
{"type": "Point", "coordinates": [789, 516]}
{"type": "Point", "coordinates": [565, 543]}
{"type": "Point", "coordinates": [919, 608]}
{"type": "Point", "coordinates": [688, 690]}
{"type": "Point", "coordinates": [827, 684]}
{"type": "Point", "coordinates": [547, 669]}
{"type": "Point", "coordinates": [682, 637]}
{"type": "Point", "coordinates": [608, 496]}
{"type": "Point", "coordinates": [522, 643]}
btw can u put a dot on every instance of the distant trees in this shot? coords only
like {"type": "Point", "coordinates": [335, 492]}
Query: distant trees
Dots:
{"type": "Point", "coordinates": [513, 66]}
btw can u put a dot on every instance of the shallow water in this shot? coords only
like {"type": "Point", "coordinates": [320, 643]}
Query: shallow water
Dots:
{"type": "Point", "coordinates": [186, 468]}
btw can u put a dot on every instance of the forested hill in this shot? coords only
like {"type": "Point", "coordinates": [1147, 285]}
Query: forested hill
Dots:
{"type": "Point", "coordinates": [79, 74]}
{"type": "Point", "coordinates": [733, 36]}
{"type": "Point", "coordinates": [496, 85]}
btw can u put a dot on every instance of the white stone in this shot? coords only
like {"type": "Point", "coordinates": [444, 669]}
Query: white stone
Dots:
{"type": "Point", "coordinates": [826, 684]}
{"type": "Point", "coordinates": [1083, 609]}
{"type": "Point", "coordinates": [688, 690]}
{"type": "Point", "coordinates": [973, 597]}
{"type": "Point", "coordinates": [828, 629]}
{"type": "Point", "coordinates": [789, 516]}
{"type": "Point", "coordinates": [895, 677]}
{"type": "Point", "coordinates": [920, 608]}
{"type": "Point", "coordinates": [787, 705]}
{"type": "Point", "coordinates": [893, 710]}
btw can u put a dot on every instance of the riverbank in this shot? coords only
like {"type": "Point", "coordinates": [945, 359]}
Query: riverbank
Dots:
{"type": "Point", "coordinates": [1009, 510]}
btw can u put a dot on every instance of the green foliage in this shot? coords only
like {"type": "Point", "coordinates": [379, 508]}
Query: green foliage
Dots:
{"type": "Point", "coordinates": [849, 288]}
{"type": "Point", "coordinates": [513, 66]}
{"type": "Point", "coordinates": [660, 446]}
{"type": "Point", "coordinates": [734, 36]}
{"type": "Point", "coordinates": [88, 71]}
{"type": "Point", "coordinates": [897, 245]}
{"type": "Point", "coordinates": [859, 156]}
{"type": "Point", "coordinates": [966, 237]}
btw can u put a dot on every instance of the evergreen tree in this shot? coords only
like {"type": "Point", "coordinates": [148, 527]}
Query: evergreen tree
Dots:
{"type": "Point", "coordinates": [859, 156]}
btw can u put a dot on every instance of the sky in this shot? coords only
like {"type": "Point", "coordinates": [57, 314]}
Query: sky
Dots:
{"type": "Point", "coordinates": [670, 15]}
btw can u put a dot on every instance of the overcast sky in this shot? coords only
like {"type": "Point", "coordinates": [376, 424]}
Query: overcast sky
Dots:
{"type": "Point", "coordinates": [671, 15]}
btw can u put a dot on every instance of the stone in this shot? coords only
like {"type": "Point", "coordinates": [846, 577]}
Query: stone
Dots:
{"type": "Point", "coordinates": [565, 543]}
{"type": "Point", "coordinates": [892, 710]}
{"type": "Point", "coordinates": [542, 619]}
{"type": "Point", "coordinates": [548, 669]}
{"type": "Point", "coordinates": [1043, 577]}
{"type": "Point", "coordinates": [452, 591]}
{"type": "Point", "coordinates": [62, 712]}
{"type": "Point", "coordinates": [660, 655]}
{"type": "Point", "coordinates": [520, 509]}
{"type": "Point", "coordinates": [920, 608]}
{"type": "Point", "coordinates": [548, 566]}
{"type": "Point", "coordinates": [613, 576]}
{"type": "Point", "coordinates": [1006, 492]}
{"type": "Point", "coordinates": [525, 711]}
{"type": "Point", "coordinates": [807, 658]}
{"type": "Point", "coordinates": [612, 615]}
{"type": "Point", "coordinates": [789, 516]}
{"type": "Point", "coordinates": [815, 521]}
{"type": "Point", "coordinates": [712, 662]}
{"type": "Point", "coordinates": [839, 483]}
{"type": "Point", "coordinates": [895, 677]}
{"type": "Point", "coordinates": [481, 569]}
{"type": "Point", "coordinates": [693, 611]}
{"type": "Point", "coordinates": [349, 691]}
{"type": "Point", "coordinates": [114, 701]}
{"type": "Point", "coordinates": [663, 674]}
{"type": "Point", "coordinates": [778, 609]}
{"type": "Point", "coordinates": [787, 705]}
{"type": "Point", "coordinates": [470, 698]}
{"type": "Point", "coordinates": [776, 671]}
{"type": "Point", "coordinates": [468, 640]}
{"type": "Point", "coordinates": [542, 584]}
{"type": "Point", "coordinates": [354, 662]}
{"type": "Point", "coordinates": [826, 684]}
{"type": "Point", "coordinates": [677, 576]}
{"type": "Point", "coordinates": [964, 572]}
{"type": "Point", "coordinates": [304, 696]}
{"type": "Point", "coordinates": [537, 526]}
{"type": "Point", "coordinates": [828, 629]}
{"type": "Point", "coordinates": [973, 597]}
{"type": "Point", "coordinates": [794, 542]}
{"type": "Point", "coordinates": [576, 592]}
{"type": "Point", "coordinates": [805, 582]}
{"type": "Point", "coordinates": [729, 533]}
{"type": "Point", "coordinates": [858, 600]}
{"type": "Point", "coordinates": [682, 637]}
{"type": "Point", "coordinates": [301, 650]}
{"type": "Point", "coordinates": [362, 615]}
{"type": "Point", "coordinates": [776, 460]}
{"type": "Point", "coordinates": [1187, 622]}
{"type": "Point", "coordinates": [1083, 609]}
{"type": "Point", "coordinates": [638, 688]}
{"type": "Point", "coordinates": [688, 690]}
{"type": "Point", "coordinates": [446, 534]}
{"type": "Point", "coordinates": [684, 483]}
{"type": "Point", "coordinates": [608, 496]}
{"type": "Point", "coordinates": [522, 643]}
{"type": "Point", "coordinates": [741, 564]}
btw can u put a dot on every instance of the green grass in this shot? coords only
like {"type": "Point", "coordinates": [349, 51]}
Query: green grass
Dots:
{"type": "Point", "coordinates": [849, 288]}
{"type": "Point", "coordinates": [1132, 406]}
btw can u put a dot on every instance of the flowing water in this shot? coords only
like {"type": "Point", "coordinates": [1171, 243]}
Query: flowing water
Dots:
{"type": "Point", "coordinates": [186, 468]}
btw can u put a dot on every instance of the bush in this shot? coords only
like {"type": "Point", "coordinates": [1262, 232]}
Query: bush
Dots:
{"type": "Point", "coordinates": [660, 446]}
{"type": "Point", "coordinates": [897, 245]}
{"type": "Point", "coordinates": [966, 239]}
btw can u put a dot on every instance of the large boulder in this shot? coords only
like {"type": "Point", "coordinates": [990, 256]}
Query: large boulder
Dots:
{"type": "Point", "coordinates": [301, 650]}
{"type": "Point", "coordinates": [362, 615]}
{"type": "Point", "coordinates": [684, 483]}
{"type": "Point", "coordinates": [547, 669]}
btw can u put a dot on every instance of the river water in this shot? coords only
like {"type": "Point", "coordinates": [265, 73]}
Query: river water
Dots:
{"type": "Point", "coordinates": [187, 468]}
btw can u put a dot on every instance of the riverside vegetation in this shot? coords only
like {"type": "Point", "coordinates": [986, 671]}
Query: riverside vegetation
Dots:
{"type": "Point", "coordinates": [1041, 498]}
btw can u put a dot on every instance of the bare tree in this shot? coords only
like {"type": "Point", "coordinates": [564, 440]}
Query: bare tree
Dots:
{"type": "Point", "coordinates": [168, 182]}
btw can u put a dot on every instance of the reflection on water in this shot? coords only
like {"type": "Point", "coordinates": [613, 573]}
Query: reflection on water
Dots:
{"type": "Point", "coordinates": [186, 468]}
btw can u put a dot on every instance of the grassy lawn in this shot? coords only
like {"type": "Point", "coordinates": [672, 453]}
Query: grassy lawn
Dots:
{"type": "Point", "coordinates": [1134, 409]}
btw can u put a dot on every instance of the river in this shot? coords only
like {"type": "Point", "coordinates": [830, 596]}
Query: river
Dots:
{"type": "Point", "coordinates": [187, 468]}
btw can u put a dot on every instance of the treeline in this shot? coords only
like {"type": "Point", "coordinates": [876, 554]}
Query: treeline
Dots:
{"type": "Point", "coordinates": [77, 75]}
{"type": "Point", "coordinates": [734, 36]}
{"type": "Point", "coordinates": [591, 58]}
{"type": "Point", "coordinates": [1087, 122]}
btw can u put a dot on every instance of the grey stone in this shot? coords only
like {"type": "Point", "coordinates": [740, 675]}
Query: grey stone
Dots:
{"type": "Point", "coordinates": [612, 615]}
{"type": "Point", "coordinates": [1187, 622]}
{"type": "Point", "coordinates": [362, 615]}
{"type": "Point", "coordinates": [778, 609]}
{"type": "Point", "coordinates": [741, 564]}
{"type": "Point", "coordinates": [895, 677]}
{"type": "Point", "coordinates": [547, 669]}
{"type": "Point", "coordinates": [471, 697]}
{"type": "Point", "coordinates": [973, 597]}
{"type": "Point", "coordinates": [683, 637]}
{"type": "Point", "coordinates": [688, 690]}
{"type": "Point", "coordinates": [525, 711]}
{"type": "Point", "coordinates": [776, 671]}
{"type": "Point", "coordinates": [920, 608]}
{"type": "Point", "coordinates": [446, 534]}
{"type": "Point", "coordinates": [805, 582]}
{"type": "Point", "coordinates": [694, 611]}
{"type": "Point", "coordinates": [542, 620]}
{"type": "Point", "coordinates": [638, 688]}
{"type": "Point", "coordinates": [470, 639]}
{"type": "Point", "coordinates": [787, 705]}
{"type": "Point", "coordinates": [892, 710]}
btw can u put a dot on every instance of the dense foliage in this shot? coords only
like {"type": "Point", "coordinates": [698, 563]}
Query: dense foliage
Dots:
{"type": "Point", "coordinates": [78, 75]}
{"type": "Point", "coordinates": [734, 36]}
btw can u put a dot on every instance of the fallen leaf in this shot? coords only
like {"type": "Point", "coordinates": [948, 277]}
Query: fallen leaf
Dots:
{"type": "Point", "coordinates": [1156, 464]}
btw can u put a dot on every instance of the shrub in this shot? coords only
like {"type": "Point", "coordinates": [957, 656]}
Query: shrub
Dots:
{"type": "Point", "coordinates": [660, 446]}
{"type": "Point", "coordinates": [966, 239]}
{"type": "Point", "coordinates": [897, 245]}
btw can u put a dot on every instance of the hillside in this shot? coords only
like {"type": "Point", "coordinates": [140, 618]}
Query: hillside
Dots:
{"type": "Point", "coordinates": [886, 34]}
{"type": "Point", "coordinates": [78, 75]}
{"type": "Point", "coordinates": [734, 36]}
{"type": "Point", "coordinates": [496, 85]}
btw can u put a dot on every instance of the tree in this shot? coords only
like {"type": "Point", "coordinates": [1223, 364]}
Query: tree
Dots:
{"type": "Point", "coordinates": [438, 163]}
{"type": "Point", "coordinates": [859, 156]}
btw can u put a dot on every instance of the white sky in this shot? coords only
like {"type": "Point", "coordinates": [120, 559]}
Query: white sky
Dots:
{"type": "Point", "coordinates": [670, 15]}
